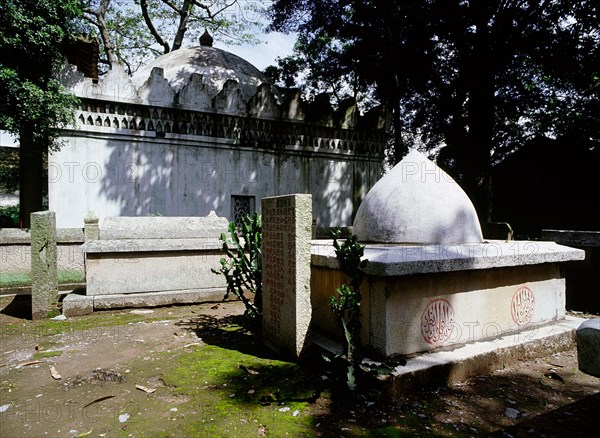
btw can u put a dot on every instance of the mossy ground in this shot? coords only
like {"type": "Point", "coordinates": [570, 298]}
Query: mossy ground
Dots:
{"type": "Point", "coordinates": [211, 377]}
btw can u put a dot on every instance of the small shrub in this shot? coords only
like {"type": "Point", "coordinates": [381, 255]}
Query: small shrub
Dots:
{"type": "Point", "coordinates": [9, 216]}
{"type": "Point", "coordinates": [346, 305]}
{"type": "Point", "coordinates": [242, 267]}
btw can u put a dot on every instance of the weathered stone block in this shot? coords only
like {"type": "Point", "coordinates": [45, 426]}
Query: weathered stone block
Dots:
{"type": "Point", "coordinates": [91, 229]}
{"type": "Point", "coordinates": [155, 299]}
{"type": "Point", "coordinates": [287, 311]}
{"type": "Point", "coordinates": [77, 305]}
{"type": "Point", "coordinates": [115, 228]}
{"type": "Point", "coordinates": [44, 280]}
{"type": "Point", "coordinates": [588, 347]}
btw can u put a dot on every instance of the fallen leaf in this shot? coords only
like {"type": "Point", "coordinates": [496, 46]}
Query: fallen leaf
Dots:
{"type": "Point", "coordinates": [552, 375]}
{"type": "Point", "coordinates": [143, 388]}
{"type": "Point", "coordinates": [81, 435]}
{"type": "Point", "coordinates": [249, 371]}
{"type": "Point", "coordinates": [106, 397]}
{"type": "Point", "coordinates": [55, 375]}
{"type": "Point", "coordinates": [33, 362]}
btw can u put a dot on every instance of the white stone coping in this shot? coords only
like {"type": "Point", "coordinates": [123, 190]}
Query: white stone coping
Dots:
{"type": "Point", "coordinates": [573, 237]}
{"type": "Point", "coordinates": [397, 260]}
{"type": "Point", "coordinates": [163, 227]}
{"type": "Point", "coordinates": [151, 245]}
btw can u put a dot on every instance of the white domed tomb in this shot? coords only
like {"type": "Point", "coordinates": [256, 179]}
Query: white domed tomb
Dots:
{"type": "Point", "coordinates": [417, 202]}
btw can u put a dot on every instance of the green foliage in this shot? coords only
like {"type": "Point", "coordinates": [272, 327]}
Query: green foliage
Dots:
{"type": "Point", "coordinates": [346, 306]}
{"type": "Point", "coordinates": [9, 170]}
{"type": "Point", "coordinates": [242, 267]}
{"type": "Point", "coordinates": [9, 216]}
{"type": "Point", "coordinates": [31, 34]}
{"type": "Point", "coordinates": [135, 39]}
{"type": "Point", "coordinates": [478, 78]}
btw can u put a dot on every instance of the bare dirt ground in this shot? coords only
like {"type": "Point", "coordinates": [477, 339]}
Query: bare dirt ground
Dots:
{"type": "Point", "coordinates": [101, 358]}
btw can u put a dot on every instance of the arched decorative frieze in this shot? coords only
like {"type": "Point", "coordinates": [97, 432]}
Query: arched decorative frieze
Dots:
{"type": "Point", "coordinates": [246, 131]}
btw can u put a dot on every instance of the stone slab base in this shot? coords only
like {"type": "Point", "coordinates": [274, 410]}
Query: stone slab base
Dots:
{"type": "Point", "coordinates": [77, 305]}
{"type": "Point", "coordinates": [447, 367]}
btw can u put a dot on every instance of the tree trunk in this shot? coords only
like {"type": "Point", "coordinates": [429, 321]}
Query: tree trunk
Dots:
{"type": "Point", "coordinates": [400, 148]}
{"type": "Point", "coordinates": [184, 16]}
{"type": "Point", "coordinates": [481, 114]}
{"type": "Point", "coordinates": [31, 176]}
{"type": "Point", "coordinates": [159, 39]}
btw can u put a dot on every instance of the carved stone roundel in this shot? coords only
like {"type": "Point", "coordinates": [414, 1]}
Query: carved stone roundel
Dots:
{"type": "Point", "coordinates": [522, 306]}
{"type": "Point", "coordinates": [437, 322]}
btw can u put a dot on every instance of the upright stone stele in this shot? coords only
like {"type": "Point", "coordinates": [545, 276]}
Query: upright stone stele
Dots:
{"type": "Point", "coordinates": [44, 281]}
{"type": "Point", "coordinates": [287, 231]}
{"type": "Point", "coordinates": [91, 229]}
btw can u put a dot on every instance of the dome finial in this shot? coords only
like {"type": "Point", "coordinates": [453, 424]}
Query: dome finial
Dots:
{"type": "Point", "coordinates": [206, 39]}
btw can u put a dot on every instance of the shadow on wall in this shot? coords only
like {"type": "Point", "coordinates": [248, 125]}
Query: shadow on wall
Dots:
{"type": "Point", "coordinates": [166, 179]}
{"type": "Point", "coordinates": [158, 177]}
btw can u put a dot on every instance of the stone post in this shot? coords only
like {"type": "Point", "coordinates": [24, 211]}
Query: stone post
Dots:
{"type": "Point", "coordinates": [44, 280]}
{"type": "Point", "coordinates": [91, 229]}
{"type": "Point", "coordinates": [287, 311]}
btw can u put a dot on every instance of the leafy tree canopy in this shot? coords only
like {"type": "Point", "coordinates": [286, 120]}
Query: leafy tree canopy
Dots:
{"type": "Point", "coordinates": [135, 31]}
{"type": "Point", "coordinates": [476, 79]}
{"type": "Point", "coordinates": [31, 35]}
{"type": "Point", "coordinates": [34, 105]}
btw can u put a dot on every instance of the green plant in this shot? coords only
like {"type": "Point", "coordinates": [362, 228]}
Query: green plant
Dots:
{"type": "Point", "coordinates": [346, 306]}
{"type": "Point", "coordinates": [242, 267]}
{"type": "Point", "coordinates": [9, 216]}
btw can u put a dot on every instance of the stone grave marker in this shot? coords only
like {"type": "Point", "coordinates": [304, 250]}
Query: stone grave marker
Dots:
{"type": "Point", "coordinates": [44, 280]}
{"type": "Point", "coordinates": [287, 231]}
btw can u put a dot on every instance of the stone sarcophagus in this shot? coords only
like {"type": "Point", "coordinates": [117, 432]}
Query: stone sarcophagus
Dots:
{"type": "Point", "coordinates": [155, 254]}
{"type": "Point", "coordinates": [432, 280]}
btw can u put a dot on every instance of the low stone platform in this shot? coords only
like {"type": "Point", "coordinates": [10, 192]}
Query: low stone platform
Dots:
{"type": "Point", "coordinates": [447, 367]}
{"type": "Point", "coordinates": [459, 363]}
{"type": "Point", "coordinates": [425, 297]}
{"type": "Point", "coordinates": [78, 305]}
{"type": "Point", "coordinates": [154, 254]}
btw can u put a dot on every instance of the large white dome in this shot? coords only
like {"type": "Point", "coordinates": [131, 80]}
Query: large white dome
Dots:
{"type": "Point", "coordinates": [215, 65]}
{"type": "Point", "coordinates": [417, 202]}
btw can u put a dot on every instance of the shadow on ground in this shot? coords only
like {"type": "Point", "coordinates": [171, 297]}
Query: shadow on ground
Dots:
{"type": "Point", "coordinates": [18, 307]}
{"type": "Point", "coordinates": [563, 405]}
{"type": "Point", "coordinates": [579, 418]}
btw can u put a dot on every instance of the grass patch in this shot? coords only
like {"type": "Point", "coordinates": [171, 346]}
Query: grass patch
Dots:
{"type": "Point", "coordinates": [121, 326]}
{"type": "Point", "coordinates": [21, 279]}
{"type": "Point", "coordinates": [241, 394]}
{"type": "Point", "coordinates": [44, 354]}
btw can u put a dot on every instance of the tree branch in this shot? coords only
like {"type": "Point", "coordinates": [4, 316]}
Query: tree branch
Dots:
{"type": "Point", "coordinates": [172, 6]}
{"type": "Point", "coordinates": [184, 16]}
{"type": "Point", "coordinates": [100, 23]}
{"type": "Point", "coordinates": [151, 28]}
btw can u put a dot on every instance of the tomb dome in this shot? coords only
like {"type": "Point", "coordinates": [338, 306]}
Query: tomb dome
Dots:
{"type": "Point", "coordinates": [417, 203]}
{"type": "Point", "coordinates": [216, 67]}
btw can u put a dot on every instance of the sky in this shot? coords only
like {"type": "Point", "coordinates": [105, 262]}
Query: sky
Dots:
{"type": "Point", "coordinates": [274, 44]}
